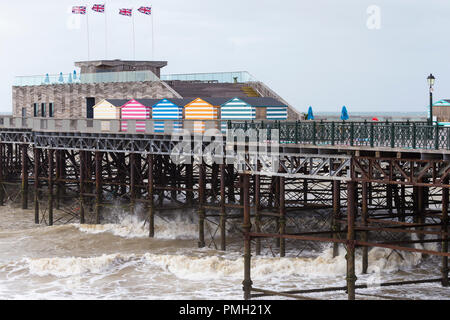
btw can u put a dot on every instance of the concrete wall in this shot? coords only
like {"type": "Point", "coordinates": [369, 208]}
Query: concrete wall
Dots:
{"type": "Point", "coordinates": [70, 99]}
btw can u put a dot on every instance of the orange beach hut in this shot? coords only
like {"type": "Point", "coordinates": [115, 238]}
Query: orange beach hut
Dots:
{"type": "Point", "coordinates": [201, 110]}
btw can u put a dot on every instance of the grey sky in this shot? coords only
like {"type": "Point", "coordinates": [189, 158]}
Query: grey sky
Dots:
{"type": "Point", "coordinates": [317, 53]}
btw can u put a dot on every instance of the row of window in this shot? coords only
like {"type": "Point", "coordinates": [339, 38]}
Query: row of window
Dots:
{"type": "Point", "coordinates": [42, 111]}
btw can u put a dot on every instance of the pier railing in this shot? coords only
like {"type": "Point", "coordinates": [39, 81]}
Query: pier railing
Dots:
{"type": "Point", "coordinates": [402, 135]}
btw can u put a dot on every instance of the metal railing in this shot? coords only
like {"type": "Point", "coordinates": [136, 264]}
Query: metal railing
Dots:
{"type": "Point", "coordinates": [401, 135]}
{"type": "Point", "coordinates": [220, 77]}
{"type": "Point", "coordinates": [102, 77]}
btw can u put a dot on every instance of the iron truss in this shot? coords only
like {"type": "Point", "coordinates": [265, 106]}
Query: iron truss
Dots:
{"type": "Point", "coordinates": [300, 166]}
{"type": "Point", "coordinates": [16, 136]}
{"type": "Point", "coordinates": [402, 171]}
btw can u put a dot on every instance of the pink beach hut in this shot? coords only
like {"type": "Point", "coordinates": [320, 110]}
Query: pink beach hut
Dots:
{"type": "Point", "coordinates": [134, 110]}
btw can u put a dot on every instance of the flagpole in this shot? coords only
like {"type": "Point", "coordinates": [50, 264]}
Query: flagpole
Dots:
{"type": "Point", "coordinates": [106, 34]}
{"type": "Point", "coordinates": [134, 37]}
{"type": "Point", "coordinates": [153, 36]}
{"type": "Point", "coordinates": [88, 41]}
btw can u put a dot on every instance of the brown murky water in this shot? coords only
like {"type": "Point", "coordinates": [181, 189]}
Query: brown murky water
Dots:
{"type": "Point", "coordinates": [119, 261]}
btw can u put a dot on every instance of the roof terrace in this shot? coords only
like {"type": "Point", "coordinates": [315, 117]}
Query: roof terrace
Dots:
{"type": "Point", "coordinates": [70, 78]}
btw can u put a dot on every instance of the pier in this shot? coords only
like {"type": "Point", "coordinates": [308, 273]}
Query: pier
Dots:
{"type": "Point", "coordinates": [379, 182]}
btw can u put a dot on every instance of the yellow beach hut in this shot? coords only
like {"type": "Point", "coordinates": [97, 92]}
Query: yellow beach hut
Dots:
{"type": "Point", "coordinates": [203, 109]}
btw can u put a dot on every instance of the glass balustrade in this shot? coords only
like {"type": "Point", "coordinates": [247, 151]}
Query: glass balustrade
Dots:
{"type": "Point", "coordinates": [130, 76]}
{"type": "Point", "coordinates": [220, 77]}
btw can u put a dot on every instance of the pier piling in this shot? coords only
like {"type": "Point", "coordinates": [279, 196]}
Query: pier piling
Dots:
{"type": "Point", "coordinates": [51, 153]}
{"type": "Point", "coordinates": [37, 158]}
{"type": "Point", "coordinates": [351, 212]}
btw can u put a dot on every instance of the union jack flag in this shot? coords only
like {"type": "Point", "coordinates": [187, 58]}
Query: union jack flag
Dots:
{"type": "Point", "coordinates": [126, 12]}
{"type": "Point", "coordinates": [145, 10]}
{"type": "Point", "coordinates": [79, 10]}
{"type": "Point", "coordinates": [99, 8]}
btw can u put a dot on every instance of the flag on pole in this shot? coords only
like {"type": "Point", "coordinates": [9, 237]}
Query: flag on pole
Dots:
{"type": "Point", "coordinates": [100, 8]}
{"type": "Point", "coordinates": [126, 12]}
{"type": "Point", "coordinates": [145, 10]}
{"type": "Point", "coordinates": [79, 10]}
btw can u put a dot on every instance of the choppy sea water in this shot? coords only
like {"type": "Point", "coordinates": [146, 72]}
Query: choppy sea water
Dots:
{"type": "Point", "coordinates": [118, 261]}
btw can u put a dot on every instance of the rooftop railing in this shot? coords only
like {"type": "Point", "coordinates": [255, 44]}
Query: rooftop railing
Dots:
{"type": "Point", "coordinates": [396, 135]}
{"type": "Point", "coordinates": [103, 77]}
{"type": "Point", "coordinates": [220, 77]}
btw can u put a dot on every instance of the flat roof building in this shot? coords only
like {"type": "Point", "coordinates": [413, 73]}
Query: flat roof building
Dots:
{"type": "Point", "coordinates": [74, 95]}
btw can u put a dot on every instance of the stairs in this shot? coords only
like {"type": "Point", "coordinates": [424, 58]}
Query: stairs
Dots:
{"type": "Point", "coordinates": [250, 92]}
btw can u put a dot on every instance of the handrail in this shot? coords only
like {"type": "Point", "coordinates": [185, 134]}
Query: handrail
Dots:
{"type": "Point", "coordinates": [400, 135]}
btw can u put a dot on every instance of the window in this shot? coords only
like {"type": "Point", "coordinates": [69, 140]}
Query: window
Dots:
{"type": "Point", "coordinates": [43, 110]}
{"type": "Point", "coordinates": [24, 112]}
{"type": "Point", "coordinates": [36, 109]}
{"type": "Point", "coordinates": [50, 110]}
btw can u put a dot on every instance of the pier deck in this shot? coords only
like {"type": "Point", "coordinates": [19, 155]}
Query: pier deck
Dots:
{"type": "Point", "coordinates": [380, 182]}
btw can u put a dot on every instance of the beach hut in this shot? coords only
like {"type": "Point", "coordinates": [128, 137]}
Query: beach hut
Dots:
{"type": "Point", "coordinates": [108, 109]}
{"type": "Point", "coordinates": [168, 110]}
{"type": "Point", "coordinates": [236, 110]}
{"type": "Point", "coordinates": [203, 109]}
{"type": "Point", "coordinates": [441, 111]}
{"type": "Point", "coordinates": [268, 108]}
{"type": "Point", "coordinates": [135, 110]}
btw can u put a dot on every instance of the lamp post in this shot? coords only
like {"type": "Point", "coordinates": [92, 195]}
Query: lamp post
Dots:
{"type": "Point", "coordinates": [431, 80]}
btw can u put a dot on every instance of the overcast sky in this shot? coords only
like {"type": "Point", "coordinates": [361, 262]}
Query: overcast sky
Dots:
{"type": "Point", "coordinates": [320, 53]}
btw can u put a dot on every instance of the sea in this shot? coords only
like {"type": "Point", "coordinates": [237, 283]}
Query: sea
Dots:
{"type": "Point", "coordinates": [118, 261]}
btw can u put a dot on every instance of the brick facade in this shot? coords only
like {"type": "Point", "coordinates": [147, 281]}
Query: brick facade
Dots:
{"type": "Point", "coordinates": [69, 100]}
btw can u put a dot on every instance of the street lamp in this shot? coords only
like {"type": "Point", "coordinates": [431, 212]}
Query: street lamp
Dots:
{"type": "Point", "coordinates": [431, 80]}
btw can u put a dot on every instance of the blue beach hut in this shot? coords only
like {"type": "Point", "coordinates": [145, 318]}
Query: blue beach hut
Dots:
{"type": "Point", "coordinates": [268, 108]}
{"type": "Point", "coordinates": [344, 114]}
{"type": "Point", "coordinates": [169, 110]}
{"type": "Point", "coordinates": [236, 110]}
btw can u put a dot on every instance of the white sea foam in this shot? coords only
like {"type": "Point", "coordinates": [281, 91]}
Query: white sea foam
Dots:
{"type": "Point", "coordinates": [212, 267]}
{"type": "Point", "coordinates": [132, 227]}
{"type": "Point", "coordinates": [66, 267]}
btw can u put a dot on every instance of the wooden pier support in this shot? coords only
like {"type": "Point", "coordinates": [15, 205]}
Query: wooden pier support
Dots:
{"type": "Point", "coordinates": [282, 219]}
{"type": "Point", "coordinates": [132, 183]}
{"type": "Point", "coordinates": [201, 205]}
{"type": "Point", "coordinates": [24, 184]}
{"type": "Point", "coordinates": [57, 178]}
{"type": "Point", "coordinates": [257, 212]}
{"type": "Point", "coordinates": [365, 234]}
{"type": "Point", "coordinates": [223, 213]}
{"type": "Point", "coordinates": [151, 204]}
{"type": "Point", "coordinates": [351, 213]}
{"type": "Point", "coordinates": [2, 165]}
{"type": "Point", "coordinates": [246, 227]}
{"type": "Point", "coordinates": [190, 183]}
{"type": "Point", "coordinates": [231, 195]}
{"type": "Point", "coordinates": [98, 186]}
{"type": "Point", "coordinates": [51, 154]}
{"type": "Point", "coordinates": [37, 161]}
{"type": "Point", "coordinates": [336, 226]}
{"type": "Point", "coordinates": [444, 221]}
{"type": "Point", "coordinates": [82, 186]}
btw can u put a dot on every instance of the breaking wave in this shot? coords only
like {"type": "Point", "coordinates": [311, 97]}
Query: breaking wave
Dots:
{"type": "Point", "coordinates": [65, 267]}
{"type": "Point", "coordinates": [132, 227]}
{"type": "Point", "coordinates": [213, 267]}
